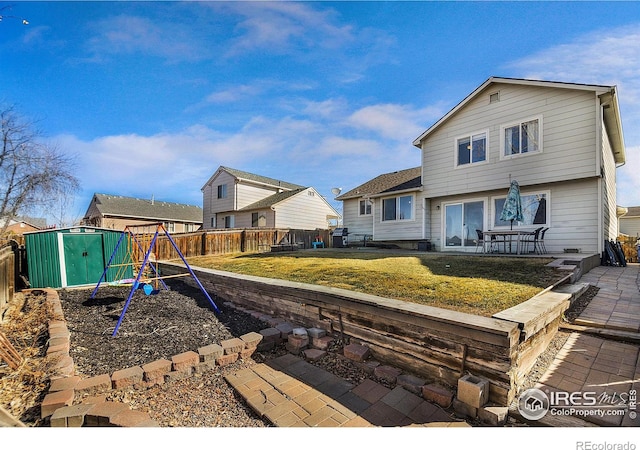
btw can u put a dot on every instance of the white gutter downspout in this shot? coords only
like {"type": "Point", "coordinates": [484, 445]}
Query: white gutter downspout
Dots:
{"type": "Point", "coordinates": [599, 172]}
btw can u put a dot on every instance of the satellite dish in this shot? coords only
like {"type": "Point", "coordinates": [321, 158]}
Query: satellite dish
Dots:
{"type": "Point", "coordinates": [336, 191]}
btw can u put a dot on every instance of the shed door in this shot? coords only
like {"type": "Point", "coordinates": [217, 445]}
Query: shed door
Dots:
{"type": "Point", "coordinates": [83, 258]}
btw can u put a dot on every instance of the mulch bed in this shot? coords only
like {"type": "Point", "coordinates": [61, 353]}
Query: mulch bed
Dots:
{"type": "Point", "coordinates": [155, 326]}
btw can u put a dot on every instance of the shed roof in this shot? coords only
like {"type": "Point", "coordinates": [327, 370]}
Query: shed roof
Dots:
{"type": "Point", "coordinates": [400, 180]}
{"type": "Point", "coordinates": [117, 205]}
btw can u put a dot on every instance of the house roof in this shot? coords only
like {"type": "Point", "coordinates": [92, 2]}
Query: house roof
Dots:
{"type": "Point", "coordinates": [247, 176]}
{"type": "Point", "coordinates": [633, 211]}
{"type": "Point", "coordinates": [608, 96]}
{"type": "Point", "coordinates": [400, 180]}
{"type": "Point", "coordinates": [274, 199]}
{"type": "Point", "coordinates": [116, 205]}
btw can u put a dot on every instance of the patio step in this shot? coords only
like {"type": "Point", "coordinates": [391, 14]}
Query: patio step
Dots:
{"type": "Point", "coordinates": [630, 337]}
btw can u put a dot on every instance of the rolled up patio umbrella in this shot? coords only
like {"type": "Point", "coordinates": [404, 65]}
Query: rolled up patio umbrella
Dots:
{"type": "Point", "coordinates": [512, 208]}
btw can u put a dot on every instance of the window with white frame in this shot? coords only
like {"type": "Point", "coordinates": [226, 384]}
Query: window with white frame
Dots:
{"type": "Point", "coordinates": [222, 191]}
{"type": "Point", "coordinates": [365, 207]}
{"type": "Point", "coordinates": [229, 221]}
{"type": "Point", "coordinates": [535, 210]}
{"type": "Point", "coordinates": [471, 149]}
{"type": "Point", "coordinates": [397, 208]}
{"type": "Point", "coordinates": [522, 137]}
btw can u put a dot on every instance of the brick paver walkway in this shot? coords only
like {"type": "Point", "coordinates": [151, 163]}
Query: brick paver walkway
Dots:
{"type": "Point", "coordinates": [290, 392]}
{"type": "Point", "coordinates": [617, 304]}
{"type": "Point", "coordinates": [606, 367]}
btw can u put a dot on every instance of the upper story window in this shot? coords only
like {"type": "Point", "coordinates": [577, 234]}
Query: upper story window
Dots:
{"type": "Point", "coordinates": [397, 208]}
{"type": "Point", "coordinates": [471, 149]}
{"type": "Point", "coordinates": [522, 137]}
{"type": "Point", "coordinates": [365, 207]}
{"type": "Point", "coordinates": [222, 191]}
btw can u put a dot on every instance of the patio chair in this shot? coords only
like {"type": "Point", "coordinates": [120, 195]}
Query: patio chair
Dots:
{"type": "Point", "coordinates": [481, 242]}
{"type": "Point", "coordinates": [530, 239]}
{"type": "Point", "coordinates": [539, 245]}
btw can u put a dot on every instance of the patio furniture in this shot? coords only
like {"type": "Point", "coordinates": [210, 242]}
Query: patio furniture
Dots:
{"type": "Point", "coordinates": [482, 242]}
{"type": "Point", "coordinates": [531, 238]}
{"type": "Point", "coordinates": [539, 245]}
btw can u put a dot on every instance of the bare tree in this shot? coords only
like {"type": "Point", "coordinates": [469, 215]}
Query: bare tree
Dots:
{"type": "Point", "coordinates": [33, 173]}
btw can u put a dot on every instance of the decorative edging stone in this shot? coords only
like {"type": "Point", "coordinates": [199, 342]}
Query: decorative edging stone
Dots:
{"type": "Point", "coordinates": [96, 411]}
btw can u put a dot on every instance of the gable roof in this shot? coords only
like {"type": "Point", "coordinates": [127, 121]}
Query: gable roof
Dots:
{"type": "Point", "coordinates": [607, 94]}
{"type": "Point", "coordinates": [400, 180]}
{"type": "Point", "coordinates": [271, 200]}
{"type": "Point", "coordinates": [247, 176]}
{"type": "Point", "coordinates": [632, 211]}
{"type": "Point", "coordinates": [116, 205]}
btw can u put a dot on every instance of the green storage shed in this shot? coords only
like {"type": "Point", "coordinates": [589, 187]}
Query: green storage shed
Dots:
{"type": "Point", "coordinates": [75, 256]}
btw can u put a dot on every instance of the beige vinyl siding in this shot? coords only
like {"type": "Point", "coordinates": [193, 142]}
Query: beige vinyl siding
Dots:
{"type": "Point", "coordinates": [303, 211]}
{"type": "Point", "coordinates": [250, 193]}
{"type": "Point", "coordinates": [572, 214]}
{"type": "Point", "coordinates": [398, 229]}
{"type": "Point", "coordinates": [211, 204]}
{"type": "Point", "coordinates": [630, 226]}
{"type": "Point", "coordinates": [243, 219]}
{"type": "Point", "coordinates": [568, 140]}
{"type": "Point", "coordinates": [357, 225]}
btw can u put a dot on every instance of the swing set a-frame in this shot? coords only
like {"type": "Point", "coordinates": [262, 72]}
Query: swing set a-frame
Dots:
{"type": "Point", "coordinates": [141, 246]}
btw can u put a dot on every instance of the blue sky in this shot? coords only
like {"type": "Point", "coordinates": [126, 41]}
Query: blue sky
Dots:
{"type": "Point", "coordinates": [151, 97]}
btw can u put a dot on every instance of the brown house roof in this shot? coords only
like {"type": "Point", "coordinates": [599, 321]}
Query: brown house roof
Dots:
{"type": "Point", "coordinates": [267, 202]}
{"type": "Point", "coordinates": [242, 175]}
{"type": "Point", "coordinates": [633, 211]}
{"type": "Point", "coordinates": [389, 182]}
{"type": "Point", "coordinates": [116, 205]}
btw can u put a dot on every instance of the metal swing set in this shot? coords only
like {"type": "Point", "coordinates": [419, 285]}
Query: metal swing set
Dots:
{"type": "Point", "coordinates": [141, 245]}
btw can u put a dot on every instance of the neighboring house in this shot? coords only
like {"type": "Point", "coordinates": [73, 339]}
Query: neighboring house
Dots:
{"type": "Point", "coordinates": [562, 143]}
{"type": "Point", "coordinates": [237, 199]}
{"type": "Point", "coordinates": [117, 212]}
{"type": "Point", "coordinates": [383, 207]}
{"type": "Point", "coordinates": [630, 221]}
{"type": "Point", "coordinates": [20, 225]}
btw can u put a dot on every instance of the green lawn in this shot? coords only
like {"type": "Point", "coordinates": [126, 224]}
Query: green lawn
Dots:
{"type": "Point", "coordinates": [476, 284]}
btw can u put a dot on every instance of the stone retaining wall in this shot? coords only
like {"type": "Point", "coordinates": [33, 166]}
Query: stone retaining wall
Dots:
{"type": "Point", "coordinates": [71, 402]}
{"type": "Point", "coordinates": [434, 343]}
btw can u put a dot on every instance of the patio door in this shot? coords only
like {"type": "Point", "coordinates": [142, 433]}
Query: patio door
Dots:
{"type": "Point", "coordinates": [461, 222]}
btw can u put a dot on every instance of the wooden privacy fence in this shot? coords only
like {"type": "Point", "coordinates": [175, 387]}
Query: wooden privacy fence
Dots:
{"type": "Point", "coordinates": [217, 242]}
{"type": "Point", "coordinates": [7, 276]}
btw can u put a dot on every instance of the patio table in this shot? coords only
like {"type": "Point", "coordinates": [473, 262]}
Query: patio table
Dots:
{"type": "Point", "coordinates": [507, 236]}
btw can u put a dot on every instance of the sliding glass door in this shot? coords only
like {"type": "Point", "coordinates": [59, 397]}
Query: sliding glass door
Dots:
{"type": "Point", "coordinates": [461, 222]}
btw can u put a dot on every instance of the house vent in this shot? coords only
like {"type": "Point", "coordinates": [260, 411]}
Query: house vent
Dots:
{"type": "Point", "coordinates": [495, 97]}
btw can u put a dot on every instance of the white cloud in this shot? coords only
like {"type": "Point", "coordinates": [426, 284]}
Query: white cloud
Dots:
{"type": "Point", "coordinates": [280, 27]}
{"type": "Point", "coordinates": [608, 57]}
{"type": "Point", "coordinates": [130, 35]}
{"type": "Point", "coordinates": [398, 122]}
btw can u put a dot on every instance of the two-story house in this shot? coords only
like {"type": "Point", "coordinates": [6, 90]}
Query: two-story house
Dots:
{"type": "Point", "coordinates": [562, 143]}
{"type": "Point", "coordinates": [237, 199]}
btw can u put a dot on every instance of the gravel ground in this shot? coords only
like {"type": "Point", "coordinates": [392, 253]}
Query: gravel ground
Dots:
{"type": "Point", "coordinates": [159, 326]}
